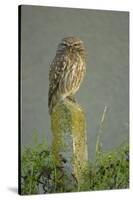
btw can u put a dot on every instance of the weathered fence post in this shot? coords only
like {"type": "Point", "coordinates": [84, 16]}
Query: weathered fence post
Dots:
{"type": "Point", "coordinates": [69, 144]}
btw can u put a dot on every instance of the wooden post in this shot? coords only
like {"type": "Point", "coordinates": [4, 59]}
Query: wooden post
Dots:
{"type": "Point", "coordinates": [69, 144]}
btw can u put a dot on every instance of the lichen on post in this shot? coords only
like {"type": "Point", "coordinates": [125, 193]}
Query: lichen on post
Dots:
{"type": "Point", "coordinates": [69, 144]}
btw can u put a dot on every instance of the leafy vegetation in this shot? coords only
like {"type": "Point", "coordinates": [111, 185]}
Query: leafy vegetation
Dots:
{"type": "Point", "coordinates": [109, 171]}
{"type": "Point", "coordinates": [39, 173]}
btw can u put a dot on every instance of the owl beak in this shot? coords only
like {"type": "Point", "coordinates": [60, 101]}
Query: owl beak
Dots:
{"type": "Point", "coordinates": [70, 48]}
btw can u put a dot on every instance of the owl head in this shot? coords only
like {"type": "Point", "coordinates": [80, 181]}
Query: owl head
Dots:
{"type": "Point", "coordinates": [71, 43]}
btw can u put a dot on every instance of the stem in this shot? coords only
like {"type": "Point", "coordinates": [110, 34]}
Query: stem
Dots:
{"type": "Point", "coordinates": [100, 130]}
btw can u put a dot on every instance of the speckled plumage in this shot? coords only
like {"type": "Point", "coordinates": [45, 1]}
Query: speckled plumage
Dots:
{"type": "Point", "coordinates": [66, 71]}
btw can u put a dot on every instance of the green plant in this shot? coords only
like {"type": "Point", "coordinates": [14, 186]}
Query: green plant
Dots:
{"type": "Point", "coordinates": [109, 171]}
{"type": "Point", "coordinates": [36, 167]}
{"type": "Point", "coordinates": [40, 173]}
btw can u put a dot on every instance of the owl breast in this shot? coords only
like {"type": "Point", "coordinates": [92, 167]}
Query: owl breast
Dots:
{"type": "Point", "coordinates": [72, 76]}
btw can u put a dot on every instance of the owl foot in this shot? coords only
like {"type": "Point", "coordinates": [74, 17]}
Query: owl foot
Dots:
{"type": "Point", "coordinates": [71, 98]}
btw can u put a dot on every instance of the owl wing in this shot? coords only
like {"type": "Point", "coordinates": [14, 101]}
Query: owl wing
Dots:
{"type": "Point", "coordinates": [56, 69]}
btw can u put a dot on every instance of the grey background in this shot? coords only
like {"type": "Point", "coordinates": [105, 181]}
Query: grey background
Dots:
{"type": "Point", "coordinates": [105, 35]}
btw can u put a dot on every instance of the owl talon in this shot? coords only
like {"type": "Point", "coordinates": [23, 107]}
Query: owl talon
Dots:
{"type": "Point", "coordinates": [71, 98]}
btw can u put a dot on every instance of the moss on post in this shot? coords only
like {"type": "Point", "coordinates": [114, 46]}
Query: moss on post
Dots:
{"type": "Point", "coordinates": [69, 138]}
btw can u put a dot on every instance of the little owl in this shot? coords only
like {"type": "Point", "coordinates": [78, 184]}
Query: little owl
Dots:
{"type": "Point", "coordinates": [66, 71]}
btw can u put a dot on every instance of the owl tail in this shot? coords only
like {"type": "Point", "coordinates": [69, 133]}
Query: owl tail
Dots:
{"type": "Point", "coordinates": [50, 108]}
{"type": "Point", "coordinates": [51, 103]}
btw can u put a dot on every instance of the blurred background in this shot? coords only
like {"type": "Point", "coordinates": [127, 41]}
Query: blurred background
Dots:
{"type": "Point", "coordinates": [106, 38]}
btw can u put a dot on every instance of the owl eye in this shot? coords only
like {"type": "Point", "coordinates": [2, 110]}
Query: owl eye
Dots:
{"type": "Point", "coordinates": [77, 45]}
{"type": "Point", "coordinates": [64, 44]}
